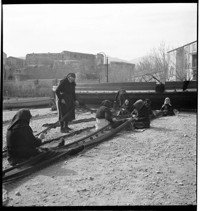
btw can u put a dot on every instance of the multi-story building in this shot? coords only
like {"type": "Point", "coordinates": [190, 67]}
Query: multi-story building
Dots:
{"type": "Point", "coordinates": [88, 67]}
{"type": "Point", "coordinates": [183, 63]}
{"type": "Point", "coordinates": [11, 65]}
{"type": "Point", "coordinates": [4, 58]}
{"type": "Point", "coordinates": [4, 65]}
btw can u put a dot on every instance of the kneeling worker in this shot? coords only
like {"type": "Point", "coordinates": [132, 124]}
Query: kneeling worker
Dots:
{"type": "Point", "coordinates": [140, 110]}
{"type": "Point", "coordinates": [21, 143]}
{"type": "Point", "coordinates": [104, 115]}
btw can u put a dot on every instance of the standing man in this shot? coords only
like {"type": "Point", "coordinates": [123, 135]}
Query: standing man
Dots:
{"type": "Point", "coordinates": [66, 101]}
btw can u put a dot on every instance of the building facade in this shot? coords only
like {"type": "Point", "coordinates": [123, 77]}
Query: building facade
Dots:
{"type": "Point", "coordinates": [183, 63]}
{"type": "Point", "coordinates": [88, 67]}
{"type": "Point", "coordinates": [11, 65]}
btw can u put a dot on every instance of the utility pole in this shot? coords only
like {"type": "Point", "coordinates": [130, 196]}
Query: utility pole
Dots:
{"type": "Point", "coordinates": [165, 74]}
{"type": "Point", "coordinates": [107, 70]}
{"type": "Point", "coordinates": [106, 64]}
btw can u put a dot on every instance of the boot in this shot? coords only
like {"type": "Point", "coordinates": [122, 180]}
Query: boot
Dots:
{"type": "Point", "coordinates": [66, 126]}
{"type": "Point", "coordinates": [62, 128]}
{"type": "Point", "coordinates": [61, 143]}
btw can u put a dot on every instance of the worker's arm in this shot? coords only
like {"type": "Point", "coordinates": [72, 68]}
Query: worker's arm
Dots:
{"type": "Point", "coordinates": [108, 116]}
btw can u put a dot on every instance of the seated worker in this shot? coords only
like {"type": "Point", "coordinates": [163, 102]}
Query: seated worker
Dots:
{"type": "Point", "coordinates": [104, 115]}
{"type": "Point", "coordinates": [21, 143]}
{"type": "Point", "coordinates": [120, 97]}
{"type": "Point", "coordinates": [167, 108]}
{"type": "Point", "coordinates": [148, 105]}
{"type": "Point", "coordinates": [126, 108]}
{"type": "Point", "coordinates": [141, 113]}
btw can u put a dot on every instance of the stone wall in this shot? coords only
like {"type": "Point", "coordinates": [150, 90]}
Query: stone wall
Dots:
{"type": "Point", "coordinates": [120, 72]}
{"type": "Point", "coordinates": [58, 65]}
{"type": "Point", "coordinates": [29, 88]}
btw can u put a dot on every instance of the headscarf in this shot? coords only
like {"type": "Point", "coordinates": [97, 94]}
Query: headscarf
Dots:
{"type": "Point", "coordinates": [106, 103]}
{"type": "Point", "coordinates": [138, 104]}
{"type": "Point", "coordinates": [71, 75]}
{"type": "Point", "coordinates": [66, 78]}
{"type": "Point", "coordinates": [167, 98]}
{"type": "Point", "coordinates": [20, 119]}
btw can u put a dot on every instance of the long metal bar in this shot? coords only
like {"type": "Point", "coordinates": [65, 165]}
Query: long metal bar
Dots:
{"type": "Point", "coordinates": [72, 149]}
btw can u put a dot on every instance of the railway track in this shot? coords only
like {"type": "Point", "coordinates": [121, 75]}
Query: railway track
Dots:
{"type": "Point", "coordinates": [50, 156]}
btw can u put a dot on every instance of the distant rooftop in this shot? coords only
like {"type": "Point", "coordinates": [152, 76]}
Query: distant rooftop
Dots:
{"type": "Point", "coordinates": [181, 46]}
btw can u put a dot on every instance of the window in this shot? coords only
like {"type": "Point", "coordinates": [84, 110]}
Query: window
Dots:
{"type": "Point", "coordinates": [194, 66]}
{"type": "Point", "coordinates": [194, 61]}
{"type": "Point", "coordinates": [194, 47]}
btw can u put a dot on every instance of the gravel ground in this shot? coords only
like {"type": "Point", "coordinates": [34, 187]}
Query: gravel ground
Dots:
{"type": "Point", "coordinates": [154, 167]}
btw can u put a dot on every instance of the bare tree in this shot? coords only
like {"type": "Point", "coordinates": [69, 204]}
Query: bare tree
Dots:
{"type": "Point", "coordinates": [155, 64]}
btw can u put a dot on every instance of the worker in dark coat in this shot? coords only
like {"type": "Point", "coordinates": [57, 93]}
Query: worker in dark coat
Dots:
{"type": "Point", "coordinates": [120, 97]}
{"type": "Point", "coordinates": [141, 114]}
{"type": "Point", "coordinates": [66, 101]}
{"type": "Point", "coordinates": [21, 143]}
{"type": "Point", "coordinates": [167, 109]}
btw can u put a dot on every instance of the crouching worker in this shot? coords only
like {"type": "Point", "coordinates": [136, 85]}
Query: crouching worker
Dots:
{"type": "Point", "coordinates": [167, 109]}
{"type": "Point", "coordinates": [104, 115]}
{"type": "Point", "coordinates": [21, 143]}
{"type": "Point", "coordinates": [141, 114]}
{"type": "Point", "coordinates": [120, 97]}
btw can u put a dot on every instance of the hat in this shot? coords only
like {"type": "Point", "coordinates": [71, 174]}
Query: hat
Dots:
{"type": "Point", "coordinates": [138, 104]}
{"type": "Point", "coordinates": [73, 75]}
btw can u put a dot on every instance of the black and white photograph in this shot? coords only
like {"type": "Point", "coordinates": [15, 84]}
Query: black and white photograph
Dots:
{"type": "Point", "coordinates": [99, 105]}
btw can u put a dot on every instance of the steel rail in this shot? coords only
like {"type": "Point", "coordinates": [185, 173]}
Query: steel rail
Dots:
{"type": "Point", "coordinates": [40, 156]}
{"type": "Point", "coordinates": [96, 134]}
{"type": "Point", "coordinates": [69, 149]}
{"type": "Point", "coordinates": [28, 170]}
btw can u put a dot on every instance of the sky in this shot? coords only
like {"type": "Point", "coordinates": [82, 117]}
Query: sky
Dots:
{"type": "Point", "coordinates": [125, 31]}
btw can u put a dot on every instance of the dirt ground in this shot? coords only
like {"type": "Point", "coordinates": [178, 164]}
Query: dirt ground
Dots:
{"type": "Point", "coordinates": [157, 166]}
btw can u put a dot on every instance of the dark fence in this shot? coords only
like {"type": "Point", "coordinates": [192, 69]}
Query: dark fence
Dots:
{"type": "Point", "coordinates": [180, 84]}
{"type": "Point", "coordinates": [117, 86]}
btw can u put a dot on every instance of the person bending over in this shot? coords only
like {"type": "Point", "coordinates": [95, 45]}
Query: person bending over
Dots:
{"type": "Point", "coordinates": [120, 97]}
{"type": "Point", "coordinates": [141, 114]}
{"type": "Point", "coordinates": [104, 115]}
